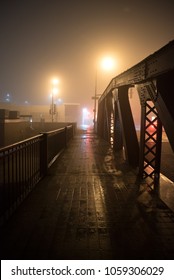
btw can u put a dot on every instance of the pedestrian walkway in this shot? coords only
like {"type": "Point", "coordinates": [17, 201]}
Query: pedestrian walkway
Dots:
{"type": "Point", "coordinates": [90, 206]}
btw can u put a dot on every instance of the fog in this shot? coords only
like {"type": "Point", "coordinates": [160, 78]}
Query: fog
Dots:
{"type": "Point", "coordinates": [42, 39]}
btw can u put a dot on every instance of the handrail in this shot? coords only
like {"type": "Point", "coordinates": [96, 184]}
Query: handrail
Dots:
{"type": "Point", "coordinates": [24, 164]}
{"type": "Point", "coordinates": [19, 143]}
{"type": "Point", "coordinates": [55, 130]}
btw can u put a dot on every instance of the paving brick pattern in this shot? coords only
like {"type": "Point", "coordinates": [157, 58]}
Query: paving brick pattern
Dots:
{"type": "Point", "coordinates": [90, 206]}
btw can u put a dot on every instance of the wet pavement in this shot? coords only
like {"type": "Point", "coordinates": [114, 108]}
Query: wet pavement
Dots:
{"type": "Point", "coordinates": [91, 206]}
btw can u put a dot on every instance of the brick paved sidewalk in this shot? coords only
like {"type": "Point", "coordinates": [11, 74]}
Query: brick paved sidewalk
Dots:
{"type": "Point", "coordinates": [90, 206]}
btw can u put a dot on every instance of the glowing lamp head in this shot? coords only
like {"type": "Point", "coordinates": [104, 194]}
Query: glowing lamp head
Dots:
{"type": "Point", "coordinates": [55, 81]}
{"type": "Point", "coordinates": [107, 63]}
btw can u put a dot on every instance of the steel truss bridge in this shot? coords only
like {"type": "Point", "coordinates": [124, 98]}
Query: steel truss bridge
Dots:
{"type": "Point", "coordinates": [153, 79]}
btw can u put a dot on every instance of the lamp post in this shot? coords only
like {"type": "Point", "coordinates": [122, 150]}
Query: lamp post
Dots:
{"type": "Point", "coordinates": [52, 107]}
{"type": "Point", "coordinates": [54, 91]}
{"type": "Point", "coordinates": [107, 64]}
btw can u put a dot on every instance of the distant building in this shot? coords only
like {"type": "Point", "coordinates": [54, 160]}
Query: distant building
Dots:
{"type": "Point", "coordinates": [68, 112]}
{"type": "Point", "coordinates": [72, 113]}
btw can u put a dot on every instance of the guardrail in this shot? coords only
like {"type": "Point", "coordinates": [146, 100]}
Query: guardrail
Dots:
{"type": "Point", "coordinates": [24, 164]}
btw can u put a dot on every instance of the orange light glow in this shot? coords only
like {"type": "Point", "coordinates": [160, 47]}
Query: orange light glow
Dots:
{"type": "Point", "coordinates": [107, 63]}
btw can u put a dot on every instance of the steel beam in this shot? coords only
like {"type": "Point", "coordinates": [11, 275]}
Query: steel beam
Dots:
{"type": "Point", "coordinates": [100, 119]}
{"type": "Point", "coordinates": [130, 140]}
{"type": "Point", "coordinates": [165, 105]}
{"type": "Point", "coordinates": [155, 65]}
{"type": "Point", "coordinates": [118, 138]}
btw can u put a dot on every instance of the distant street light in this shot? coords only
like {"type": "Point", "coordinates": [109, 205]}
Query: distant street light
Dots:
{"type": "Point", "coordinates": [53, 93]}
{"type": "Point", "coordinates": [107, 63]}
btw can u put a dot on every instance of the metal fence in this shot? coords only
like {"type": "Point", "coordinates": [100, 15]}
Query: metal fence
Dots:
{"type": "Point", "coordinates": [24, 164]}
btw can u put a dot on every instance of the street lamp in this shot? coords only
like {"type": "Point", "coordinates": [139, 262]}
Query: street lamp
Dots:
{"type": "Point", "coordinates": [107, 63]}
{"type": "Point", "coordinates": [53, 93]}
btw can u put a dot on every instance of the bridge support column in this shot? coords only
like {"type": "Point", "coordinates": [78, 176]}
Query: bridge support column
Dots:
{"type": "Point", "coordinates": [150, 136]}
{"type": "Point", "coordinates": [117, 139]}
{"type": "Point", "coordinates": [105, 119]}
{"type": "Point", "coordinates": [130, 140]}
{"type": "Point", "coordinates": [164, 103]}
{"type": "Point", "coordinates": [100, 119]}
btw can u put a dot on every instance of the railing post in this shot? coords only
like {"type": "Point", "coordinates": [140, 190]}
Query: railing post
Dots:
{"type": "Point", "coordinates": [66, 136]}
{"type": "Point", "coordinates": [2, 132]}
{"type": "Point", "coordinates": [44, 154]}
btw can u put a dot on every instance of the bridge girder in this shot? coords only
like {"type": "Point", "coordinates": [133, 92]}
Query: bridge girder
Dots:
{"type": "Point", "coordinates": [153, 79]}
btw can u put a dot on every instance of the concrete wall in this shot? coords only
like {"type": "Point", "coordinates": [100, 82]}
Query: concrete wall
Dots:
{"type": "Point", "coordinates": [39, 127]}
{"type": "Point", "coordinates": [16, 130]}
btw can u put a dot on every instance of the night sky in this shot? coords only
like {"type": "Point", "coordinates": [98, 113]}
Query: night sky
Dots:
{"type": "Point", "coordinates": [41, 39]}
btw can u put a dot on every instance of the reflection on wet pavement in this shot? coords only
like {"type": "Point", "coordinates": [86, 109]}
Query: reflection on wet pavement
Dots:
{"type": "Point", "coordinates": [90, 206]}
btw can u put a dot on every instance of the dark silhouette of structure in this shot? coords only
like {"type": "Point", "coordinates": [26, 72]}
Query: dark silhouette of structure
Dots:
{"type": "Point", "coordinates": [153, 79]}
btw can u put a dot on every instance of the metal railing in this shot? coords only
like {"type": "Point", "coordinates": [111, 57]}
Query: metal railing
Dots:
{"type": "Point", "coordinates": [24, 164]}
